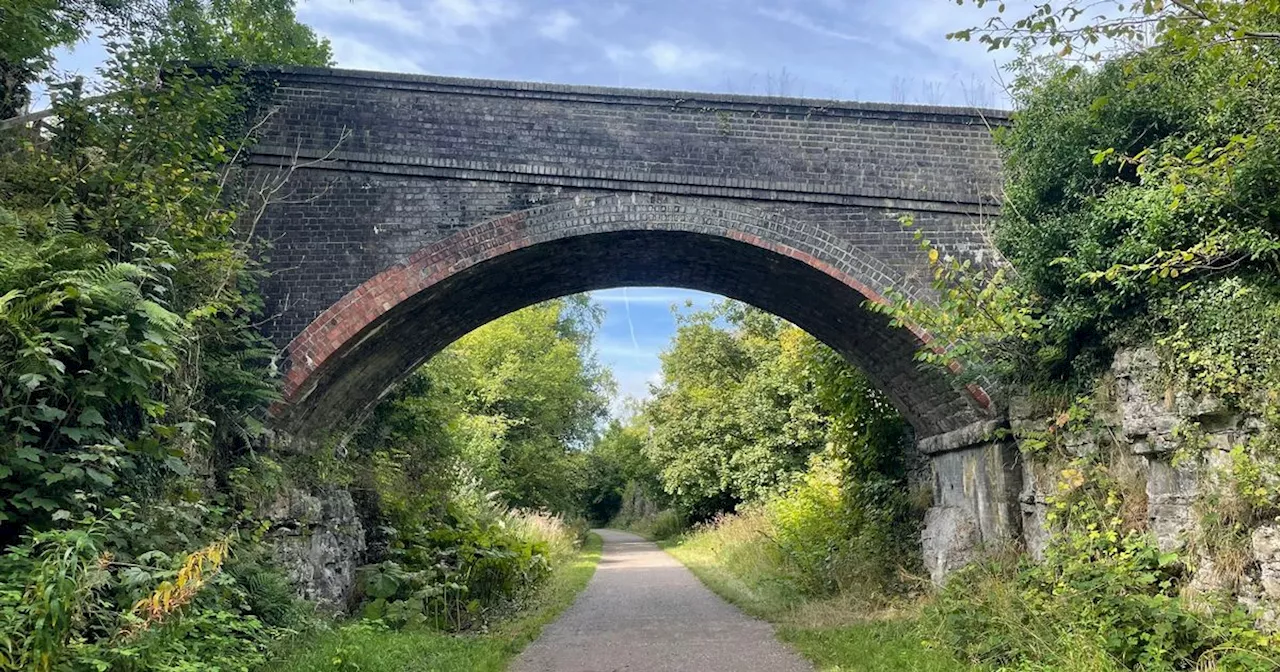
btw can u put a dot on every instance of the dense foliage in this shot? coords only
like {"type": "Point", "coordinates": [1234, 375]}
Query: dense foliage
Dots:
{"type": "Point", "coordinates": [31, 29]}
{"type": "Point", "coordinates": [1140, 209]}
{"type": "Point", "coordinates": [735, 414]}
{"type": "Point", "coordinates": [136, 468]}
{"type": "Point", "coordinates": [131, 372]}
{"type": "Point", "coordinates": [469, 470]}
{"type": "Point", "coordinates": [754, 415]}
{"type": "Point", "coordinates": [1140, 189]}
{"type": "Point", "coordinates": [513, 404]}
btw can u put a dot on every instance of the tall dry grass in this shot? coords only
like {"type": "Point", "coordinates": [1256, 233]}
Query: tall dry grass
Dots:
{"type": "Point", "coordinates": [563, 536]}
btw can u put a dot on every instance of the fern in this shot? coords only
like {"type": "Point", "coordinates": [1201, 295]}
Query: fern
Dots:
{"type": "Point", "coordinates": [270, 596]}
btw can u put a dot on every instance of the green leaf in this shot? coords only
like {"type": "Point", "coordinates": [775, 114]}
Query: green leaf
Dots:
{"type": "Point", "coordinates": [29, 454]}
{"type": "Point", "coordinates": [46, 413]}
{"type": "Point", "coordinates": [31, 380]}
{"type": "Point", "coordinates": [383, 586]}
{"type": "Point", "coordinates": [99, 476]}
{"type": "Point", "coordinates": [177, 466]}
{"type": "Point", "coordinates": [91, 416]}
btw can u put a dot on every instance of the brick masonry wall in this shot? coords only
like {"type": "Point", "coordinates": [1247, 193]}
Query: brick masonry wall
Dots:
{"type": "Point", "coordinates": [419, 208]}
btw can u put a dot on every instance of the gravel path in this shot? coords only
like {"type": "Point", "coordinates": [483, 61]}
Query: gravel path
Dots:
{"type": "Point", "coordinates": [643, 610]}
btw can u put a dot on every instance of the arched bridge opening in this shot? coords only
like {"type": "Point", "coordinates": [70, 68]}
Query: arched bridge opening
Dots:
{"type": "Point", "coordinates": [349, 356]}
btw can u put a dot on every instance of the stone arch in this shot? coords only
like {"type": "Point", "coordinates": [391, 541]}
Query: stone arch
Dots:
{"type": "Point", "coordinates": [355, 351]}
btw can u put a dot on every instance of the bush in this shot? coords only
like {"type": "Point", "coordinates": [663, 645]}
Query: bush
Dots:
{"type": "Point", "coordinates": [845, 529]}
{"type": "Point", "coordinates": [664, 524]}
{"type": "Point", "coordinates": [457, 574]}
{"type": "Point", "coordinates": [1105, 597]}
{"type": "Point", "coordinates": [803, 543]}
{"type": "Point", "coordinates": [86, 597]}
{"type": "Point", "coordinates": [635, 505]}
{"type": "Point", "coordinates": [807, 523]}
{"type": "Point", "coordinates": [747, 543]}
{"type": "Point", "coordinates": [641, 514]}
{"type": "Point", "coordinates": [562, 535]}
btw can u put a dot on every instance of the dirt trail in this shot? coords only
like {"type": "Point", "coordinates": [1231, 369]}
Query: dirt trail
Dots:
{"type": "Point", "coordinates": [643, 610]}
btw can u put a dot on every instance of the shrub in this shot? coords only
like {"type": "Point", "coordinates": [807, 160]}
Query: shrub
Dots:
{"type": "Point", "coordinates": [86, 597]}
{"type": "Point", "coordinates": [1104, 593]}
{"type": "Point", "coordinates": [665, 524]}
{"type": "Point", "coordinates": [458, 573]}
{"type": "Point", "coordinates": [807, 524]}
{"type": "Point", "coordinates": [560, 534]}
{"type": "Point", "coordinates": [636, 504]}
{"type": "Point", "coordinates": [845, 529]}
{"type": "Point", "coordinates": [659, 525]}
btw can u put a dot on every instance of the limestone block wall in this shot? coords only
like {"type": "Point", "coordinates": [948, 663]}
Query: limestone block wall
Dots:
{"type": "Point", "coordinates": [1144, 424]}
{"type": "Point", "coordinates": [319, 540]}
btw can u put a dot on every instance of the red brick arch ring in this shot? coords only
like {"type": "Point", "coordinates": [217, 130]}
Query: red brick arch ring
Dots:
{"type": "Point", "coordinates": [355, 352]}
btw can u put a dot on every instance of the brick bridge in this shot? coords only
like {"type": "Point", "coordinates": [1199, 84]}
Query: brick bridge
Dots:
{"type": "Point", "coordinates": [420, 208]}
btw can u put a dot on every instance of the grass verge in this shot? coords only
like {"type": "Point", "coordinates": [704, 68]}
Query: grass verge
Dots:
{"type": "Point", "coordinates": [361, 647]}
{"type": "Point", "coordinates": [837, 634]}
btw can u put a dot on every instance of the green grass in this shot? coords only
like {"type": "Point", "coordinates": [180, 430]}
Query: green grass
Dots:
{"type": "Point", "coordinates": [870, 646]}
{"type": "Point", "coordinates": [743, 579]}
{"type": "Point", "coordinates": [839, 634]}
{"type": "Point", "coordinates": [358, 648]}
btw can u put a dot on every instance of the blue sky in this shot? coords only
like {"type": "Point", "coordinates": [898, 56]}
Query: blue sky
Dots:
{"type": "Point", "coordinates": [884, 50]}
{"type": "Point", "coordinates": [873, 50]}
{"type": "Point", "coordinates": [638, 324]}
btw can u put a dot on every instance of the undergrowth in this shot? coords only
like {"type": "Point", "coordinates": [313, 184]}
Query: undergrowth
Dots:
{"type": "Point", "coordinates": [848, 631]}
{"type": "Point", "coordinates": [1103, 598]}
{"type": "Point", "coordinates": [372, 646]}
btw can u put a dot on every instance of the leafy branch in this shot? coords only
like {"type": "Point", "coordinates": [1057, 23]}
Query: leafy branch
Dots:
{"type": "Point", "coordinates": [975, 320]}
{"type": "Point", "coordinates": [1090, 28]}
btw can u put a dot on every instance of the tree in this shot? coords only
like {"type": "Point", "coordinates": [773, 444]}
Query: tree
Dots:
{"type": "Point", "coordinates": [1135, 187]}
{"type": "Point", "coordinates": [615, 463]}
{"type": "Point", "coordinates": [130, 285]}
{"type": "Point", "coordinates": [531, 394]}
{"type": "Point", "coordinates": [129, 364]}
{"type": "Point", "coordinates": [29, 32]}
{"type": "Point", "coordinates": [248, 31]}
{"type": "Point", "coordinates": [735, 415]}
{"type": "Point", "coordinates": [515, 402]}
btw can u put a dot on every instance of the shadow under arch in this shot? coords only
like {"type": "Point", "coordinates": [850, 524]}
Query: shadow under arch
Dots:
{"type": "Point", "coordinates": [354, 352]}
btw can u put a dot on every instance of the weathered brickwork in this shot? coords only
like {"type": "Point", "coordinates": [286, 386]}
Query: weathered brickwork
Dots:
{"type": "Point", "coordinates": [420, 208]}
{"type": "Point", "coordinates": [407, 182]}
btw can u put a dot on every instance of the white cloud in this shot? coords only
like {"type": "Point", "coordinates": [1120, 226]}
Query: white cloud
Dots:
{"type": "Point", "coordinates": [472, 13]}
{"type": "Point", "coordinates": [667, 57]}
{"type": "Point", "coordinates": [357, 55]}
{"type": "Point", "coordinates": [625, 350]}
{"type": "Point", "coordinates": [557, 25]}
{"type": "Point", "coordinates": [923, 25]}
{"type": "Point", "coordinates": [651, 295]}
{"type": "Point", "coordinates": [434, 21]}
{"type": "Point", "coordinates": [792, 17]}
{"type": "Point", "coordinates": [618, 54]}
{"type": "Point", "coordinates": [633, 386]}
{"type": "Point", "coordinates": [382, 13]}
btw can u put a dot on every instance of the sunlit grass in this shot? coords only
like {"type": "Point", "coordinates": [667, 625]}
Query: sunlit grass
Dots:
{"type": "Point", "coordinates": [354, 646]}
{"type": "Point", "coordinates": [846, 633]}
{"type": "Point", "coordinates": [873, 645]}
{"type": "Point", "coordinates": [735, 558]}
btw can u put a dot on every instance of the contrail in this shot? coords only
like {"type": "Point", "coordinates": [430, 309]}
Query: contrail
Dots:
{"type": "Point", "coordinates": [626, 301]}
